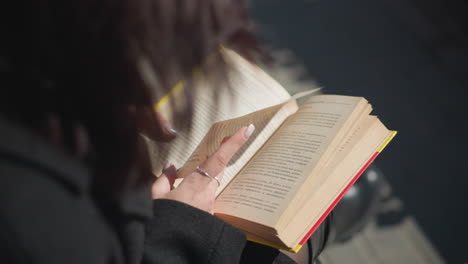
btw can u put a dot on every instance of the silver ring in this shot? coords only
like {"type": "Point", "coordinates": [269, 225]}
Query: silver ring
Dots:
{"type": "Point", "coordinates": [204, 173]}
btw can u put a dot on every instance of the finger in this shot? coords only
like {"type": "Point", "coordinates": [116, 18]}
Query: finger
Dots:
{"type": "Point", "coordinates": [154, 125]}
{"type": "Point", "coordinates": [164, 183]}
{"type": "Point", "coordinates": [225, 139]}
{"type": "Point", "coordinates": [216, 163]}
{"type": "Point", "coordinates": [167, 129]}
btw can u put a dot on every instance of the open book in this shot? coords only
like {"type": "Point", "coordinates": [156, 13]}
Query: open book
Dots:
{"type": "Point", "coordinates": [296, 166]}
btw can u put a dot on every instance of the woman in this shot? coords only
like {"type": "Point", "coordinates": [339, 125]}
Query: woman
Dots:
{"type": "Point", "coordinates": [76, 184]}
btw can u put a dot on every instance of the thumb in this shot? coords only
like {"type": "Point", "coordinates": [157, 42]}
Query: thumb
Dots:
{"type": "Point", "coordinates": [163, 183]}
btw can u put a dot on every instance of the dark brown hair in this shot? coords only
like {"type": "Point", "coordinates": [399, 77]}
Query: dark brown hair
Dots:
{"type": "Point", "coordinates": [81, 62]}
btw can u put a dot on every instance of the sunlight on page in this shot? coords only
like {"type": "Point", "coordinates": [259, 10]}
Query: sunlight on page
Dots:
{"type": "Point", "coordinates": [251, 89]}
{"type": "Point", "coordinates": [272, 177]}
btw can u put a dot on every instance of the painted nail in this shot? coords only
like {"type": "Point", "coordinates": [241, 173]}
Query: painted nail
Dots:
{"type": "Point", "coordinates": [166, 165]}
{"type": "Point", "coordinates": [248, 132]}
{"type": "Point", "coordinates": [170, 129]}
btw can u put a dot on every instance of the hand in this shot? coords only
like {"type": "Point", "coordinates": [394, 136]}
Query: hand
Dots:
{"type": "Point", "coordinates": [196, 189]}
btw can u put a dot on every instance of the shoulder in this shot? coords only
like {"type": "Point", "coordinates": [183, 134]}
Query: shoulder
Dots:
{"type": "Point", "coordinates": [45, 210]}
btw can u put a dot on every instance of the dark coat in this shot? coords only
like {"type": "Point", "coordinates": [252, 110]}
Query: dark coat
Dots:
{"type": "Point", "coordinates": [47, 215]}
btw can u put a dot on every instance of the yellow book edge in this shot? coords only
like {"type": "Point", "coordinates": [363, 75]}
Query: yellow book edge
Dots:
{"type": "Point", "coordinates": [181, 84]}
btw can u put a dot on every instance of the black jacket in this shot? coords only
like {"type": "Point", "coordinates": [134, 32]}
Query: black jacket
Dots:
{"type": "Point", "coordinates": [47, 215]}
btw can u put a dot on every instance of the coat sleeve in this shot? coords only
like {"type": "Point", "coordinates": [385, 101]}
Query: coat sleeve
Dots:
{"type": "Point", "coordinates": [179, 233]}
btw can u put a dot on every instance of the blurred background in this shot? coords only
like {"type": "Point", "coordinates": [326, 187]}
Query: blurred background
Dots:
{"type": "Point", "coordinates": [409, 58]}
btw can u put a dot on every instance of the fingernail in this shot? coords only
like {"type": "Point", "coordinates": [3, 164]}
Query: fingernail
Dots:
{"type": "Point", "coordinates": [166, 165]}
{"type": "Point", "coordinates": [248, 132]}
{"type": "Point", "coordinates": [170, 129]}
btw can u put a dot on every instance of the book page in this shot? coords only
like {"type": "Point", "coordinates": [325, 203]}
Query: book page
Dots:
{"type": "Point", "coordinates": [350, 158]}
{"type": "Point", "coordinates": [247, 84]}
{"type": "Point", "coordinates": [270, 180]}
{"type": "Point", "coordinates": [266, 122]}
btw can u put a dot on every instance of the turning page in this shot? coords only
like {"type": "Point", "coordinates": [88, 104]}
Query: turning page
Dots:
{"type": "Point", "coordinates": [240, 96]}
{"type": "Point", "coordinates": [266, 122]}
